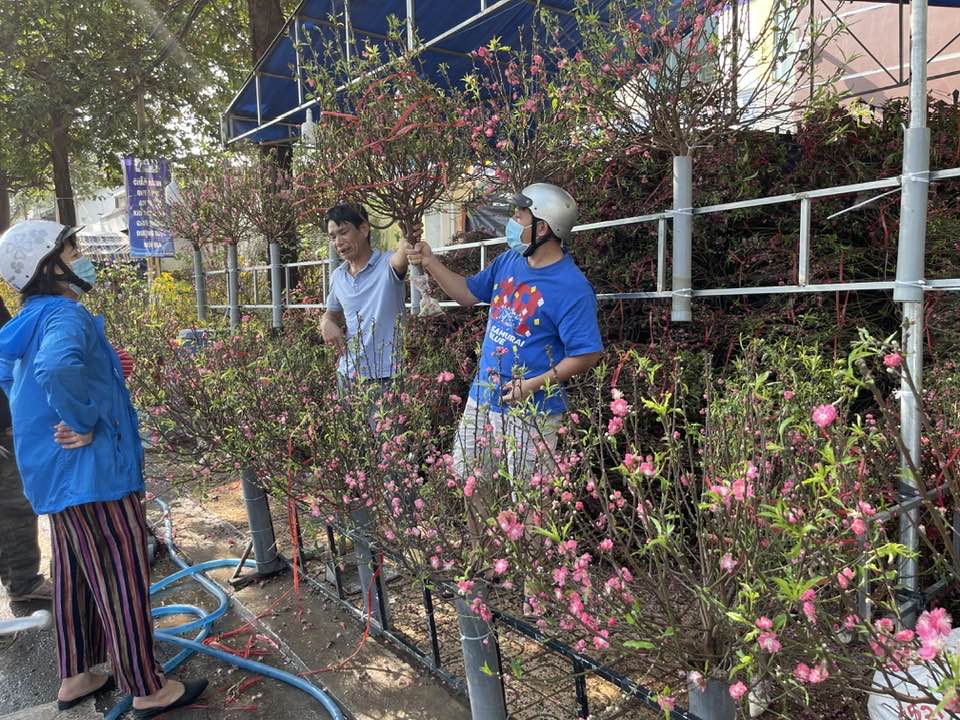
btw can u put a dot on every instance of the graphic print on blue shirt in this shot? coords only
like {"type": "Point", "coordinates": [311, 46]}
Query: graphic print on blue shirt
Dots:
{"type": "Point", "coordinates": [538, 317]}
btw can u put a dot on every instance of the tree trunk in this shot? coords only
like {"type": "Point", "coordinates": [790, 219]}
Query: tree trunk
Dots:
{"type": "Point", "coordinates": [4, 208]}
{"type": "Point", "coordinates": [60, 155]}
{"type": "Point", "coordinates": [282, 155]}
{"type": "Point", "coordinates": [266, 20]}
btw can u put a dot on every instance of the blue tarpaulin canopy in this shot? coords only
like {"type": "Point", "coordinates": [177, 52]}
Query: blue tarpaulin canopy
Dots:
{"type": "Point", "coordinates": [272, 104]}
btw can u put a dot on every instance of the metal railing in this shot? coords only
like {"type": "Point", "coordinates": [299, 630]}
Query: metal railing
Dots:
{"type": "Point", "coordinates": [38, 620]}
{"type": "Point", "coordinates": [661, 219]}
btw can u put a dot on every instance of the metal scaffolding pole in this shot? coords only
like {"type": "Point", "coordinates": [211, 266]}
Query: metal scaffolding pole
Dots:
{"type": "Point", "coordinates": [233, 286]}
{"type": "Point", "coordinates": [276, 299]}
{"type": "Point", "coordinates": [682, 238]}
{"type": "Point", "coordinates": [909, 292]}
{"type": "Point", "coordinates": [200, 281]}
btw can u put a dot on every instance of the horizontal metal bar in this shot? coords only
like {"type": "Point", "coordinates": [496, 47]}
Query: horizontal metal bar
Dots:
{"type": "Point", "coordinates": [940, 285]}
{"type": "Point", "coordinates": [242, 307]}
{"type": "Point", "coordinates": [737, 205]}
{"type": "Point", "coordinates": [906, 505]}
{"type": "Point", "coordinates": [277, 76]}
{"type": "Point", "coordinates": [252, 268]}
{"type": "Point", "coordinates": [653, 217]}
{"type": "Point", "coordinates": [944, 174]}
{"type": "Point", "coordinates": [796, 197]}
{"type": "Point", "coordinates": [253, 118]}
{"type": "Point", "coordinates": [793, 289]}
{"type": "Point", "coordinates": [653, 295]}
{"type": "Point", "coordinates": [306, 263]}
{"type": "Point", "coordinates": [952, 284]}
{"type": "Point", "coordinates": [443, 249]}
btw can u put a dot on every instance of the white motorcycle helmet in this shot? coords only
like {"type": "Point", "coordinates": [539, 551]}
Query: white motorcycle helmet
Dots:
{"type": "Point", "coordinates": [552, 204]}
{"type": "Point", "coordinates": [24, 246]}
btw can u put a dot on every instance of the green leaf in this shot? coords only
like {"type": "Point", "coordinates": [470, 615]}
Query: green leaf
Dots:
{"type": "Point", "coordinates": [639, 645]}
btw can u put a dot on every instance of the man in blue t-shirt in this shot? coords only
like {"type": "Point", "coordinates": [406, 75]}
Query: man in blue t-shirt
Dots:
{"type": "Point", "coordinates": [541, 331]}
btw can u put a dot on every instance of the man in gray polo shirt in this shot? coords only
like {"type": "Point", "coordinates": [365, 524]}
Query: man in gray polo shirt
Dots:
{"type": "Point", "coordinates": [367, 295]}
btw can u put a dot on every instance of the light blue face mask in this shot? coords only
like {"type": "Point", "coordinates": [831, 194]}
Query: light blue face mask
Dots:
{"type": "Point", "coordinates": [83, 269]}
{"type": "Point", "coordinates": [514, 235]}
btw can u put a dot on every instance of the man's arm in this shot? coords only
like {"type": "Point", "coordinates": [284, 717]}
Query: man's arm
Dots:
{"type": "Point", "coordinates": [331, 329]}
{"type": "Point", "coordinates": [519, 389]}
{"type": "Point", "coordinates": [453, 284]}
{"type": "Point", "coordinates": [399, 260]}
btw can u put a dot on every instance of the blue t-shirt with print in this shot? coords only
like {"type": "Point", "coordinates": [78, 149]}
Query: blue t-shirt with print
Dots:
{"type": "Point", "coordinates": [538, 317]}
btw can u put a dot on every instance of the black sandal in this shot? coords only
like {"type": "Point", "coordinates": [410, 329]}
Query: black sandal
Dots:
{"type": "Point", "coordinates": [192, 689]}
{"type": "Point", "coordinates": [108, 685]}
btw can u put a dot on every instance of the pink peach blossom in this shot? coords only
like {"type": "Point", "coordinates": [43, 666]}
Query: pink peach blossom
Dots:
{"type": "Point", "coordinates": [738, 690]}
{"type": "Point", "coordinates": [893, 360]}
{"type": "Point", "coordinates": [824, 415]}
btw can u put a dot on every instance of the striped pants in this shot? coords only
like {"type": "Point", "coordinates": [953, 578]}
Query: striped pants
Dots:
{"type": "Point", "coordinates": [101, 585]}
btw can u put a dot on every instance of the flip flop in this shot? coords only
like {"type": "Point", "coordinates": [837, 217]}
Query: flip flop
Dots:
{"type": "Point", "coordinates": [108, 685]}
{"type": "Point", "coordinates": [192, 689]}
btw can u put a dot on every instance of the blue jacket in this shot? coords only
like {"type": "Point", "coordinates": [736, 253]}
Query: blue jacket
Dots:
{"type": "Point", "coordinates": [56, 364]}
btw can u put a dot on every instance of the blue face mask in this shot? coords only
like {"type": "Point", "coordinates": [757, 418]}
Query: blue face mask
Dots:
{"type": "Point", "coordinates": [514, 235]}
{"type": "Point", "coordinates": [83, 269]}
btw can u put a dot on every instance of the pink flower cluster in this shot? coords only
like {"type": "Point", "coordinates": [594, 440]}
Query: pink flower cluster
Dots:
{"type": "Point", "coordinates": [895, 647]}
{"type": "Point", "coordinates": [738, 690]}
{"type": "Point", "coordinates": [933, 627]}
{"type": "Point", "coordinates": [809, 610]}
{"type": "Point", "coordinates": [811, 675]}
{"type": "Point", "coordinates": [510, 525]}
{"type": "Point", "coordinates": [823, 415]}
{"type": "Point", "coordinates": [727, 491]}
{"type": "Point", "coordinates": [643, 465]}
{"type": "Point", "coordinates": [844, 577]}
{"type": "Point", "coordinates": [620, 409]}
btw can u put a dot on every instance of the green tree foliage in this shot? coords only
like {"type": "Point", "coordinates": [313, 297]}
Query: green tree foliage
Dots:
{"type": "Point", "coordinates": [73, 74]}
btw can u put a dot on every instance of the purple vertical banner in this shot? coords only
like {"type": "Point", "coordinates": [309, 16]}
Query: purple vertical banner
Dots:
{"type": "Point", "coordinates": [146, 181]}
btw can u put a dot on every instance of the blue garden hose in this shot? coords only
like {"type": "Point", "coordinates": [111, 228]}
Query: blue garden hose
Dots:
{"type": "Point", "coordinates": [203, 624]}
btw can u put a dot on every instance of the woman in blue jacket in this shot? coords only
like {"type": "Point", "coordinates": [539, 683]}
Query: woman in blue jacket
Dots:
{"type": "Point", "coordinates": [78, 448]}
